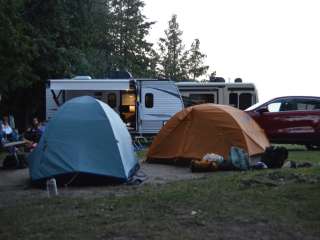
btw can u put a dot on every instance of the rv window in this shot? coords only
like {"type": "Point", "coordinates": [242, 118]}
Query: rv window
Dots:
{"type": "Point", "coordinates": [112, 100]}
{"type": "Point", "coordinates": [201, 98]}
{"type": "Point", "coordinates": [187, 101]}
{"type": "Point", "coordinates": [233, 99]}
{"type": "Point", "coordinates": [245, 100]}
{"type": "Point", "coordinates": [128, 99]}
{"type": "Point", "coordinates": [149, 100]}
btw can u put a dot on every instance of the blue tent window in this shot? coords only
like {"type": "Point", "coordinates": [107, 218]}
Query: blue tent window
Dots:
{"type": "Point", "coordinates": [149, 100]}
{"type": "Point", "coordinates": [112, 100]}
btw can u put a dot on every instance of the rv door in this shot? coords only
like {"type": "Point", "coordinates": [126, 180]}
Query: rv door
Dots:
{"type": "Point", "coordinates": [159, 101]}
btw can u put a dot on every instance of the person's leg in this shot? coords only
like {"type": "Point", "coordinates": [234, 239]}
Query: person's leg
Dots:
{"type": "Point", "coordinates": [16, 157]}
{"type": "Point", "coordinates": [14, 153]}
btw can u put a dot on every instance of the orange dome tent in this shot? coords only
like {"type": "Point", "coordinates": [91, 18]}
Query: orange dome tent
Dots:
{"type": "Point", "coordinates": [206, 128]}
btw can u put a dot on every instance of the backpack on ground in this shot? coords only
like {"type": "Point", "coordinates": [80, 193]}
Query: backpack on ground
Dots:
{"type": "Point", "coordinates": [274, 157]}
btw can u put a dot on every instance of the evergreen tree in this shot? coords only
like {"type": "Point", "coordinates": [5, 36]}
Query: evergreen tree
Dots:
{"type": "Point", "coordinates": [173, 58]}
{"type": "Point", "coordinates": [42, 39]}
{"type": "Point", "coordinates": [196, 67]}
{"type": "Point", "coordinates": [152, 69]}
{"type": "Point", "coordinates": [128, 48]}
{"type": "Point", "coordinates": [16, 48]}
{"type": "Point", "coordinates": [68, 36]}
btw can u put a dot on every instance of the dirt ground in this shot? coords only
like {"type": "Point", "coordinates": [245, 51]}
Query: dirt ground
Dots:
{"type": "Point", "coordinates": [15, 184]}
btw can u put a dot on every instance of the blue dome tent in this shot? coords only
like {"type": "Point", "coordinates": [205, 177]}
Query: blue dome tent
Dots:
{"type": "Point", "coordinates": [85, 140]}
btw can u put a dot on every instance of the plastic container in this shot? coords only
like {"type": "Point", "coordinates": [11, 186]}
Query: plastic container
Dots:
{"type": "Point", "coordinates": [52, 189]}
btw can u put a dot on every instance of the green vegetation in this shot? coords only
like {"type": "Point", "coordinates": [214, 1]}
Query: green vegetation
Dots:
{"type": "Point", "coordinates": [275, 204]}
{"type": "Point", "coordinates": [196, 64]}
{"type": "Point", "coordinates": [174, 61]}
{"type": "Point", "coordinates": [142, 154]}
{"type": "Point", "coordinates": [299, 153]}
{"type": "Point", "coordinates": [311, 156]}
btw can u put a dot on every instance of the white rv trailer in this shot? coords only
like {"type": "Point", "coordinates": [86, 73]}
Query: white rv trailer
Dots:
{"type": "Point", "coordinates": [239, 95]}
{"type": "Point", "coordinates": [144, 104]}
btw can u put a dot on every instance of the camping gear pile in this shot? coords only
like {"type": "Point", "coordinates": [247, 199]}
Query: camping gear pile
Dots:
{"type": "Point", "coordinates": [209, 162]}
{"type": "Point", "coordinates": [273, 157]}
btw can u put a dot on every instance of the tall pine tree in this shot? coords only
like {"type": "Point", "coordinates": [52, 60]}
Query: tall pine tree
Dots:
{"type": "Point", "coordinates": [128, 48]}
{"type": "Point", "coordinates": [196, 66]}
{"type": "Point", "coordinates": [173, 58]}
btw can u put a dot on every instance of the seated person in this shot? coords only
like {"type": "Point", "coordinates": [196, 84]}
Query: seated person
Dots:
{"type": "Point", "coordinates": [2, 139]}
{"type": "Point", "coordinates": [7, 132]}
{"type": "Point", "coordinates": [7, 135]}
{"type": "Point", "coordinates": [33, 134]}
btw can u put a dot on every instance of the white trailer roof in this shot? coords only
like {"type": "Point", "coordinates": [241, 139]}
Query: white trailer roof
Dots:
{"type": "Point", "coordinates": [212, 84]}
{"type": "Point", "coordinates": [89, 84]}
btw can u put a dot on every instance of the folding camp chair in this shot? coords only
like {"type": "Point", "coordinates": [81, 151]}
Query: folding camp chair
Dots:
{"type": "Point", "coordinates": [12, 149]}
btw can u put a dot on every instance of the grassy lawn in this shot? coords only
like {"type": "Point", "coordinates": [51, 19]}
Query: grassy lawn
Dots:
{"type": "Point", "coordinates": [299, 154]}
{"type": "Point", "coordinates": [268, 204]}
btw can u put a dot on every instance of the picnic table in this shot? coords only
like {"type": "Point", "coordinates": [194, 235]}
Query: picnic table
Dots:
{"type": "Point", "coordinates": [14, 159]}
{"type": "Point", "coordinates": [14, 144]}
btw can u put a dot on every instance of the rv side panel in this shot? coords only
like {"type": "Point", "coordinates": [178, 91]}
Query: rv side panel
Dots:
{"type": "Point", "coordinates": [160, 100]}
{"type": "Point", "coordinates": [51, 105]}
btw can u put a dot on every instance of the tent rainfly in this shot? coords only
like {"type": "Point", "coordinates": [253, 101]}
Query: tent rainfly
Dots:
{"type": "Point", "coordinates": [85, 140]}
{"type": "Point", "coordinates": [206, 128]}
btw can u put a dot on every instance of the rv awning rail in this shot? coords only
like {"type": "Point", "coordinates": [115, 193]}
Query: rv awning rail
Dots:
{"type": "Point", "coordinates": [91, 84]}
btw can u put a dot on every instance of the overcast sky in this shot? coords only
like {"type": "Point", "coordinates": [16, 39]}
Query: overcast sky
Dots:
{"type": "Point", "coordinates": [272, 43]}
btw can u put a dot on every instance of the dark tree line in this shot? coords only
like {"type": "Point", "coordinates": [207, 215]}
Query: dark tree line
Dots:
{"type": "Point", "coordinates": [43, 39]}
